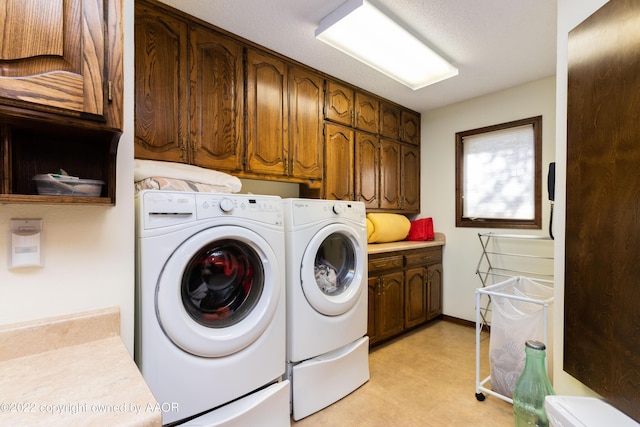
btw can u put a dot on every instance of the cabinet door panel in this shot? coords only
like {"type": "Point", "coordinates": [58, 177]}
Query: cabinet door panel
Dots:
{"type": "Point", "coordinates": [59, 60]}
{"type": "Point", "coordinates": [266, 114]}
{"type": "Point", "coordinates": [389, 174]}
{"type": "Point", "coordinates": [338, 177]}
{"type": "Point", "coordinates": [415, 297]}
{"type": "Point", "coordinates": [306, 123]}
{"type": "Point", "coordinates": [410, 127]}
{"type": "Point", "coordinates": [389, 121]}
{"type": "Point", "coordinates": [339, 103]}
{"type": "Point", "coordinates": [216, 97]}
{"type": "Point", "coordinates": [434, 291]}
{"type": "Point", "coordinates": [367, 169]}
{"type": "Point", "coordinates": [366, 112]}
{"type": "Point", "coordinates": [160, 86]}
{"type": "Point", "coordinates": [390, 307]}
{"type": "Point", "coordinates": [410, 178]}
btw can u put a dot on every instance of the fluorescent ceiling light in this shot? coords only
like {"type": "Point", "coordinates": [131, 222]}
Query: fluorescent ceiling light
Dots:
{"type": "Point", "coordinates": [363, 32]}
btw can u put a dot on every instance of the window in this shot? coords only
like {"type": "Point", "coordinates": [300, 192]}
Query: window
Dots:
{"type": "Point", "coordinates": [498, 175]}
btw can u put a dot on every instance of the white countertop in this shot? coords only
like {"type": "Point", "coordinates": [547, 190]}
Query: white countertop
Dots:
{"type": "Point", "coordinates": [72, 371]}
{"type": "Point", "coordinates": [376, 248]}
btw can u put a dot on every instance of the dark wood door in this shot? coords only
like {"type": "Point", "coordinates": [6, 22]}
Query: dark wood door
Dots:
{"type": "Point", "coordinates": [366, 112]}
{"type": "Point", "coordinates": [216, 100]}
{"type": "Point", "coordinates": [389, 174]}
{"type": "Point", "coordinates": [338, 176]}
{"type": "Point", "coordinates": [390, 304]}
{"type": "Point", "coordinates": [389, 121]}
{"type": "Point", "coordinates": [434, 291]}
{"type": "Point", "coordinates": [410, 178]}
{"type": "Point", "coordinates": [410, 127]}
{"type": "Point", "coordinates": [367, 170]}
{"type": "Point", "coordinates": [305, 124]}
{"type": "Point", "coordinates": [415, 293]}
{"type": "Point", "coordinates": [161, 86]}
{"type": "Point", "coordinates": [602, 264]}
{"type": "Point", "coordinates": [267, 113]}
{"type": "Point", "coordinates": [339, 103]}
{"type": "Point", "coordinates": [53, 54]}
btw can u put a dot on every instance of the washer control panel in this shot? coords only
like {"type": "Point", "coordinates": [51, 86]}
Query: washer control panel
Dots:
{"type": "Point", "coordinates": [264, 209]}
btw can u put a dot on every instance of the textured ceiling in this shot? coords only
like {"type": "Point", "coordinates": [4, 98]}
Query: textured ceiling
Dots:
{"type": "Point", "coordinates": [495, 44]}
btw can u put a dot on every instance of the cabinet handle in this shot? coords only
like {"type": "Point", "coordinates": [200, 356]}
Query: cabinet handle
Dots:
{"type": "Point", "coordinates": [183, 149]}
{"type": "Point", "coordinates": [110, 91]}
{"type": "Point", "coordinates": [194, 150]}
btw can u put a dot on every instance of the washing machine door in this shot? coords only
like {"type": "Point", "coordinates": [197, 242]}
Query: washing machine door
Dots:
{"type": "Point", "coordinates": [332, 270]}
{"type": "Point", "coordinates": [218, 291]}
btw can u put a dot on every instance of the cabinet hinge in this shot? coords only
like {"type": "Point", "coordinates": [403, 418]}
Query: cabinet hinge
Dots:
{"type": "Point", "coordinates": [110, 91]}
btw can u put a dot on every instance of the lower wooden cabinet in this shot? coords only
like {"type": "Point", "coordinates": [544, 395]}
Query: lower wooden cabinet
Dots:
{"type": "Point", "coordinates": [405, 291]}
{"type": "Point", "coordinates": [386, 302]}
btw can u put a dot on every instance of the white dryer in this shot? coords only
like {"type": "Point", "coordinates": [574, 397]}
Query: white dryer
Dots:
{"type": "Point", "coordinates": [327, 346]}
{"type": "Point", "coordinates": [210, 307]}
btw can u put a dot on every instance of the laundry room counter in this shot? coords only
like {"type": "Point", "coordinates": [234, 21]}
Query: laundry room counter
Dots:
{"type": "Point", "coordinates": [72, 371]}
{"type": "Point", "coordinates": [376, 248]}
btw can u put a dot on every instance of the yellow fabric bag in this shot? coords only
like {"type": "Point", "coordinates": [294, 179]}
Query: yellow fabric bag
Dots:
{"type": "Point", "coordinates": [387, 227]}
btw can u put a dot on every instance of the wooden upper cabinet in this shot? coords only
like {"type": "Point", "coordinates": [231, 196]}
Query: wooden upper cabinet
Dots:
{"type": "Point", "coordinates": [161, 86]}
{"type": "Point", "coordinates": [399, 124]}
{"type": "Point", "coordinates": [410, 127]}
{"type": "Point", "coordinates": [389, 174]}
{"type": "Point", "coordinates": [216, 97]}
{"type": "Point", "coordinates": [410, 178]}
{"type": "Point", "coordinates": [57, 56]}
{"type": "Point", "coordinates": [338, 176]}
{"type": "Point", "coordinates": [339, 103]}
{"type": "Point", "coordinates": [366, 115]}
{"type": "Point", "coordinates": [367, 170]}
{"type": "Point", "coordinates": [349, 107]}
{"type": "Point", "coordinates": [389, 121]}
{"type": "Point", "coordinates": [267, 112]}
{"type": "Point", "coordinates": [305, 123]}
{"type": "Point", "coordinates": [189, 92]}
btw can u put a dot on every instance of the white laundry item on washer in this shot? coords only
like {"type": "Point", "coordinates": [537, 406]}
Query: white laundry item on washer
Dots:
{"type": "Point", "coordinates": [152, 169]}
{"type": "Point", "coordinates": [326, 277]}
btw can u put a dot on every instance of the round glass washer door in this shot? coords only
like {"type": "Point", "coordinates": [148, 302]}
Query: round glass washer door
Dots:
{"type": "Point", "coordinates": [218, 291]}
{"type": "Point", "coordinates": [332, 270]}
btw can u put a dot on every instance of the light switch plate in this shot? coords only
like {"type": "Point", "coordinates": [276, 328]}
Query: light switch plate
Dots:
{"type": "Point", "coordinates": [26, 250]}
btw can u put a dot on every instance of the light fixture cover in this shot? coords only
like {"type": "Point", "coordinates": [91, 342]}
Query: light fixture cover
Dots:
{"type": "Point", "coordinates": [360, 30]}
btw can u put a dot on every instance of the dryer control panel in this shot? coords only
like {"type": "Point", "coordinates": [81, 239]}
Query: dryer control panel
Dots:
{"type": "Point", "coordinates": [310, 211]}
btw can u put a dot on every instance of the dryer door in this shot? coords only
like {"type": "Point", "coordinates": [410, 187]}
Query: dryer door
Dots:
{"type": "Point", "coordinates": [218, 291]}
{"type": "Point", "coordinates": [333, 270]}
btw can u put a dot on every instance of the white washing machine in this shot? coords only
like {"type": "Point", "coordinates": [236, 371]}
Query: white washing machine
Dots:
{"type": "Point", "coordinates": [210, 307]}
{"type": "Point", "coordinates": [327, 346]}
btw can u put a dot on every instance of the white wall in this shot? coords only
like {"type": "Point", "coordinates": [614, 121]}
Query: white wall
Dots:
{"type": "Point", "coordinates": [570, 14]}
{"type": "Point", "coordinates": [88, 251]}
{"type": "Point", "coordinates": [463, 250]}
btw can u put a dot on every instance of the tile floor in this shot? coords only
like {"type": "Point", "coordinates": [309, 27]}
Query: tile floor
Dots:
{"type": "Point", "coordinates": [425, 378]}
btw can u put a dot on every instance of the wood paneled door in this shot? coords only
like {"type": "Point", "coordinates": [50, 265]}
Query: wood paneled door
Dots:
{"type": "Point", "coordinates": [602, 265]}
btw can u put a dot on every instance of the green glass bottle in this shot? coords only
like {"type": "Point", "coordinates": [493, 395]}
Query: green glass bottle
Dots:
{"type": "Point", "coordinates": [531, 388]}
